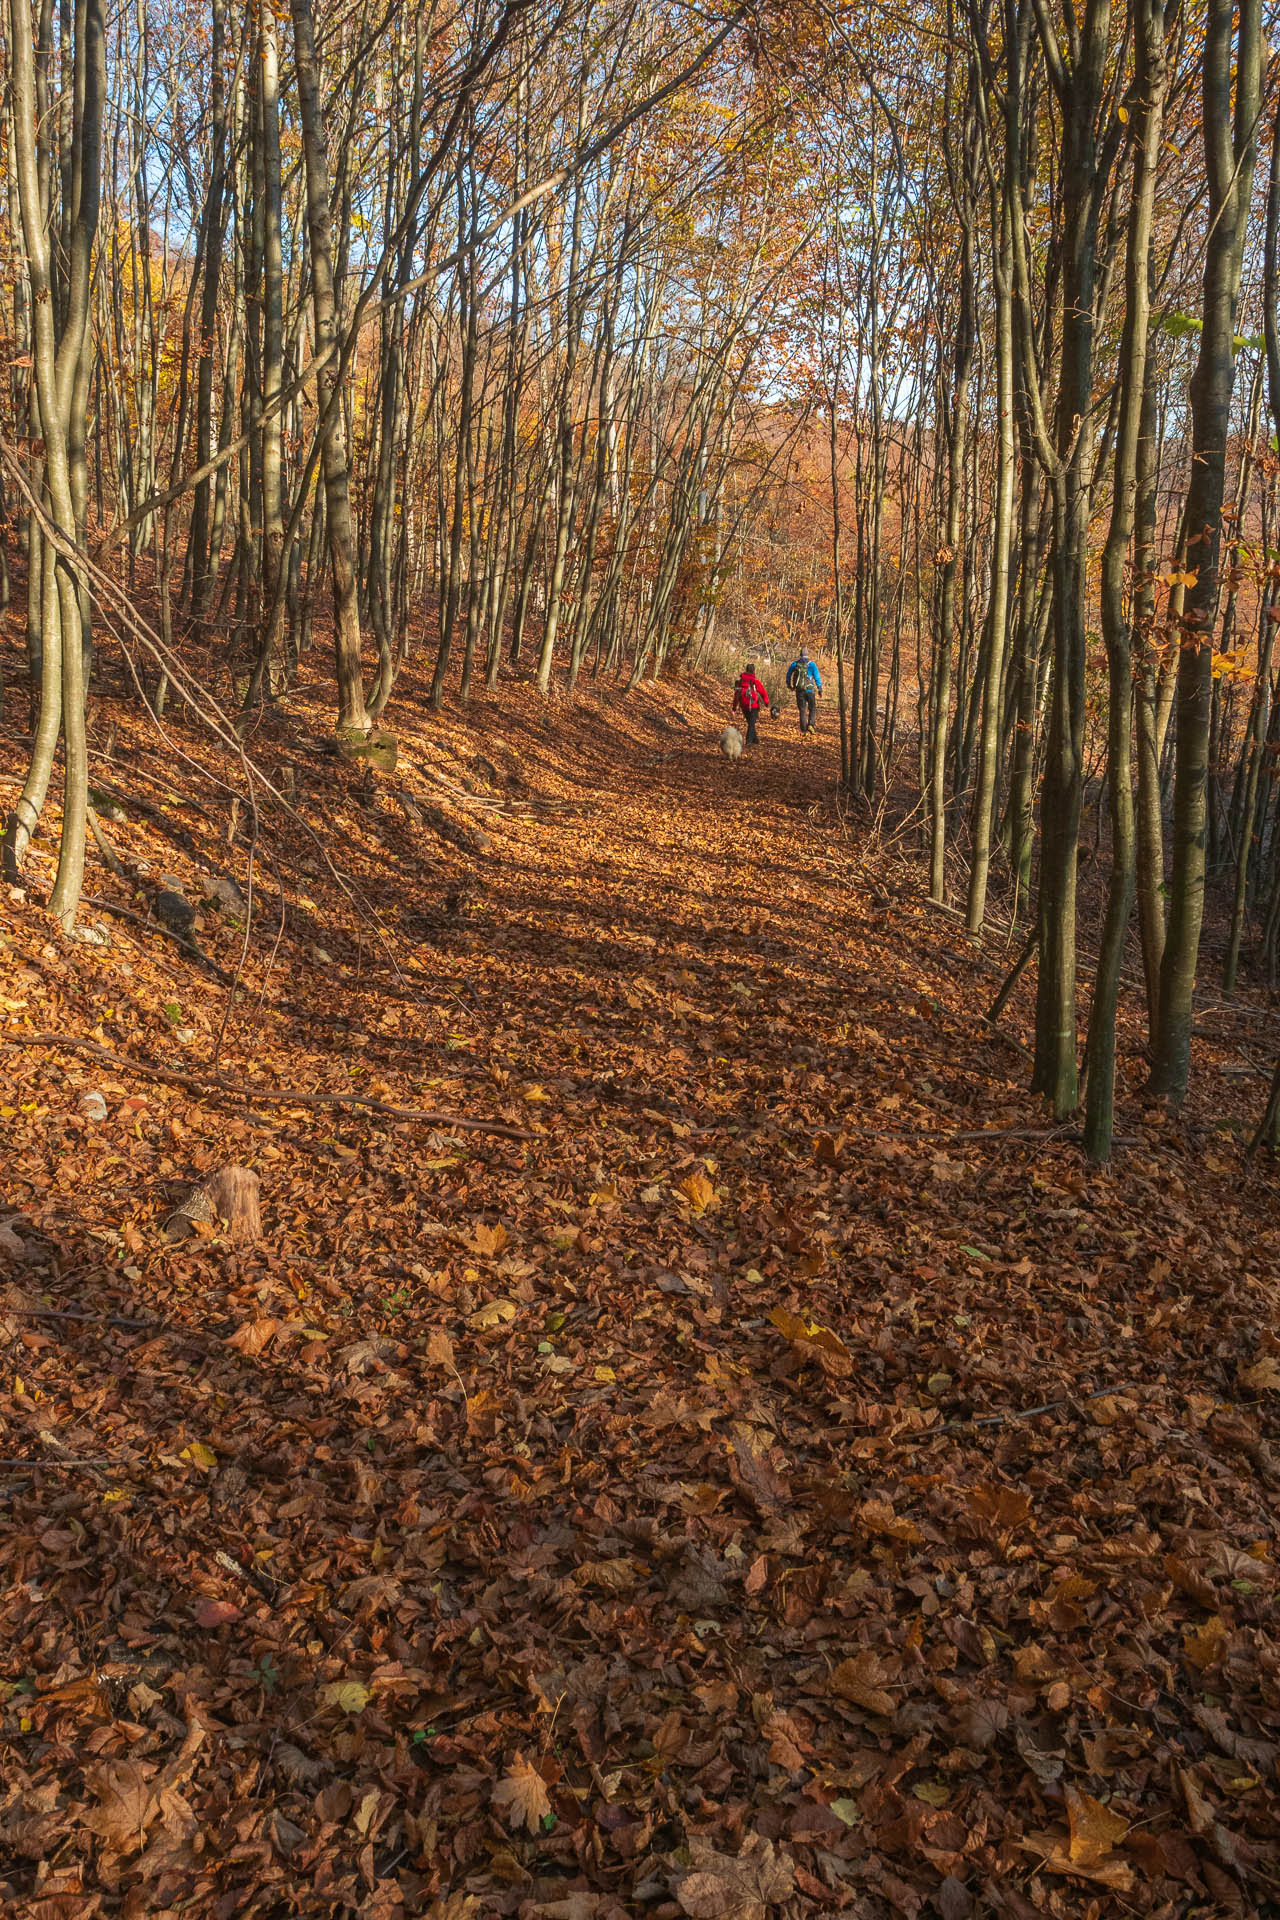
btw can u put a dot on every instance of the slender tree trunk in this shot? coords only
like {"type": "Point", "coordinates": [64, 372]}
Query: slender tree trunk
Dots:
{"type": "Point", "coordinates": [1147, 124]}
{"type": "Point", "coordinates": [1229, 154]}
{"type": "Point", "coordinates": [61, 389]}
{"type": "Point", "coordinates": [984, 799]}
{"type": "Point", "coordinates": [352, 714]}
{"type": "Point", "coordinates": [949, 558]}
{"type": "Point", "coordinates": [1083, 182]}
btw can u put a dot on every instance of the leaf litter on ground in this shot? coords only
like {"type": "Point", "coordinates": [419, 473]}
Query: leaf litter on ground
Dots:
{"type": "Point", "coordinates": [651, 1513]}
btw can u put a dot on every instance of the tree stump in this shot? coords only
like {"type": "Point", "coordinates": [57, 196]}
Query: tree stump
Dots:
{"type": "Point", "coordinates": [376, 749]}
{"type": "Point", "coordinates": [228, 1200]}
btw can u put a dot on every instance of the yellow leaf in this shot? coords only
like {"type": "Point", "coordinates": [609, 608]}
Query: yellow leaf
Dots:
{"type": "Point", "coordinates": [699, 1192]}
{"type": "Point", "coordinates": [488, 1240]}
{"type": "Point", "coordinates": [200, 1456]}
{"type": "Point", "coordinates": [492, 1314]}
{"type": "Point", "coordinates": [807, 1333]}
{"type": "Point", "coordinates": [1095, 1830]}
{"type": "Point", "coordinates": [605, 1375]}
{"type": "Point", "coordinates": [1122, 115]}
{"type": "Point", "coordinates": [1112, 1871]}
{"type": "Point", "coordinates": [535, 1093]}
{"type": "Point", "coordinates": [933, 1792]}
{"type": "Point", "coordinates": [1205, 1645]}
{"type": "Point", "coordinates": [349, 1696]}
{"type": "Point", "coordinates": [877, 1516]}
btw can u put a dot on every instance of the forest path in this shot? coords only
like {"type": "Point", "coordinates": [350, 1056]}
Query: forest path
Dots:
{"type": "Point", "coordinates": [536, 1522]}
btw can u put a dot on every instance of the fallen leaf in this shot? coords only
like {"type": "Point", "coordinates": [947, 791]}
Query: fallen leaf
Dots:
{"type": "Point", "coordinates": [860, 1680]}
{"type": "Point", "coordinates": [494, 1314]}
{"type": "Point", "coordinates": [349, 1696]}
{"type": "Point", "coordinates": [216, 1613]}
{"type": "Point", "coordinates": [1206, 1645]}
{"type": "Point", "coordinates": [877, 1516]}
{"type": "Point", "coordinates": [734, 1887]}
{"type": "Point", "coordinates": [808, 1337]}
{"type": "Point", "coordinates": [1095, 1830]}
{"type": "Point", "coordinates": [125, 1804]}
{"type": "Point", "coordinates": [254, 1335]}
{"type": "Point", "coordinates": [486, 1240]}
{"type": "Point", "coordinates": [698, 1192]}
{"type": "Point", "coordinates": [521, 1795]}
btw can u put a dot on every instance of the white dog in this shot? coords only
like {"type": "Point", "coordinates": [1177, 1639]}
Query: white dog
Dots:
{"type": "Point", "coordinates": [731, 744]}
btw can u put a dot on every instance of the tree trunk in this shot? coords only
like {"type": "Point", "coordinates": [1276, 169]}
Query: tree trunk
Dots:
{"type": "Point", "coordinates": [1147, 123]}
{"type": "Point", "coordinates": [1229, 156]}
{"type": "Point", "coordinates": [352, 713]}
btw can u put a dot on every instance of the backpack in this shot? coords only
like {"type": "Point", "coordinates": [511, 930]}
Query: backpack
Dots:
{"type": "Point", "coordinates": [748, 694]}
{"type": "Point", "coordinates": [800, 677]}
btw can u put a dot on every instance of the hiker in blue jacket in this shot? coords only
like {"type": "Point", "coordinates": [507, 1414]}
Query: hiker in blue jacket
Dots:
{"type": "Point", "coordinates": [805, 682]}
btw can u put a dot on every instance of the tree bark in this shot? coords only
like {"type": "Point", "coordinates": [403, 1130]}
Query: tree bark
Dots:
{"type": "Point", "coordinates": [352, 713]}
{"type": "Point", "coordinates": [1230, 148]}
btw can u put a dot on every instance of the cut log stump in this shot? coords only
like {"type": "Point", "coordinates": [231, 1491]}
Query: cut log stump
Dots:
{"type": "Point", "coordinates": [227, 1201]}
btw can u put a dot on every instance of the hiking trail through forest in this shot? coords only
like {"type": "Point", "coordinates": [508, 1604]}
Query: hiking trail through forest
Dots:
{"type": "Point", "coordinates": [780, 1478]}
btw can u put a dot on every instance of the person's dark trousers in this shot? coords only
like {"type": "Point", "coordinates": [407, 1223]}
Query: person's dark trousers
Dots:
{"type": "Point", "coordinates": [751, 715]}
{"type": "Point", "coordinates": [807, 704]}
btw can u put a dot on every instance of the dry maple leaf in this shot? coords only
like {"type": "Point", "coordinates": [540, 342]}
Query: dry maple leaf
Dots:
{"type": "Point", "coordinates": [521, 1795]}
{"type": "Point", "coordinates": [1095, 1830]}
{"type": "Point", "coordinates": [254, 1335]}
{"type": "Point", "coordinates": [1263, 1376]}
{"type": "Point", "coordinates": [877, 1516]}
{"type": "Point", "coordinates": [1001, 1508]}
{"type": "Point", "coordinates": [981, 1722]}
{"type": "Point", "coordinates": [812, 1341]}
{"type": "Point", "coordinates": [1206, 1644]}
{"type": "Point", "coordinates": [618, 1576]}
{"type": "Point", "coordinates": [724, 1887]}
{"type": "Point", "coordinates": [859, 1680]}
{"type": "Point", "coordinates": [487, 1241]}
{"type": "Point", "coordinates": [1110, 1871]}
{"type": "Point", "coordinates": [754, 1467]}
{"type": "Point", "coordinates": [125, 1804]}
{"type": "Point", "coordinates": [440, 1349]}
{"type": "Point", "coordinates": [699, 1192]}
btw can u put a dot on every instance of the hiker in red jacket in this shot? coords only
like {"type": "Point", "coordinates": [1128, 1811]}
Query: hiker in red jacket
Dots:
{"type": "Point", "coordinates": [748, 698]}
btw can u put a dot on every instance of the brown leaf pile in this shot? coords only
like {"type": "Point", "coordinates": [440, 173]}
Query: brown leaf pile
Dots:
{"type": "Point", "coordinates": [645, 1516]}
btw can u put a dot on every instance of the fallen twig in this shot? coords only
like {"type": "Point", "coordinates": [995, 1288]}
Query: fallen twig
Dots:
{"type": "Point", "coordinates": [61, 1465]}
{"type": "Point", "coordinates": [110, 858]}
{"type": "Point", "coordinates": [1030, 1413]}
{"type": "Point", "coordinates": [261, 1096]}
{"type": "Point", "coordinates": [98, 1319]}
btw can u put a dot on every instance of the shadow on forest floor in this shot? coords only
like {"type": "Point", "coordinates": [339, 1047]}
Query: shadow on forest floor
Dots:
{"type": "Point", "coordinates": [786, 1460]}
